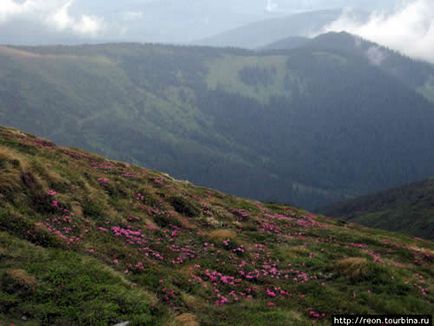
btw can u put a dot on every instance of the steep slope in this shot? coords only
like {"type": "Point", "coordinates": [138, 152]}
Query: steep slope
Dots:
{"type": "Point", "coordinates": [259, 34]}
{"type": "Point", "coordinates": [408, 209]}
{"type": "Point", "coordinates": [308, 126]}
{"type": "Point", "coordinates": [85, 240]}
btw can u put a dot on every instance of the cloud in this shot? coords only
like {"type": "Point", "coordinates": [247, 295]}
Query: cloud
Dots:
{"type": "Point", "coordinates": [51, 13]}
{"type": "Point", "coordinates": [271, 6]}
{"type": "Point", "coordinates": [11, 8]}
{"type": "Point", "coordinates": [408, 29]}
{"type": "Point", "coordinates": [375, 55]}
{"type": "Point", "coordinates": [84, 24]}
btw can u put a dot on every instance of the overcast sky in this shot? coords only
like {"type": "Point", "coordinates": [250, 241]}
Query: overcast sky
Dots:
{"type": "Point", "coordinates": [395, 23]}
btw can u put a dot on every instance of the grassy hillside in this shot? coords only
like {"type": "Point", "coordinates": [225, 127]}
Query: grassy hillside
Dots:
{"type": "Point", "coordinates": [85, 240]}
{"type": "Point", "coordinates": [310, 126]}
{"type": "Point", "coordinates": [408, 209]}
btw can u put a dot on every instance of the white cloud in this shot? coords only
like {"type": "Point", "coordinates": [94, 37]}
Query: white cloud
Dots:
{"type": "Point", "coordinates": [11, 8]}
{"type": "Point", "coordinates": [409, 29]}
{"type": "Point", "coordinates": [271, 6]}
{"type": "Point", "coordinates": [52, 13]}
{"type": "Point", "coordinates": [84, 24]}
{"type": "Point", "coordinates": [375, 55]}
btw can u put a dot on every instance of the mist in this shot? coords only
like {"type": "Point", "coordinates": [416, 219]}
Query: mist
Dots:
{"type": "Point", "coordinates": [36, 22]}
{"type": "Point", "coordinates": [408, 29]}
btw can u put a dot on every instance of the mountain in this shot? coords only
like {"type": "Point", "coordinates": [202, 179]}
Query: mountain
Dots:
{"type": "Point", "coordinates": [86, 241]}
{"type": "Point", "coordinates": [309, 126]}
{"type": "Point", "coordinates": [130, 20]}
{"type": "Point", "coordinates": [164, 21]}
{"type": "Point", "coordinates": [416, 74]}
{"type": "Point", "coordinates": [288, 43]}
{"type": "Point", "coordinates": [408, 209]}
{"type": "Point", "coordinates": [259, 34]}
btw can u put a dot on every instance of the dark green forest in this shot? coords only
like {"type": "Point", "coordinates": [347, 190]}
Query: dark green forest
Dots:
{"type": "Point", "coordinates": [309, 126]}
{"type": "Point", "coordinates": [408, 209]}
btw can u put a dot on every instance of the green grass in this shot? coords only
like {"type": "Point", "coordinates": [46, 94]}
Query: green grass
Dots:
{"type": "Point", "coordinates": [224, 74]}
{"type": "Point", "coordinates": [88, 241]}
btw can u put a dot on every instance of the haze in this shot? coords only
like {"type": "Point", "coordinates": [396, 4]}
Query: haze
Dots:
{"type": "Point", "coordinates": [36, 22]}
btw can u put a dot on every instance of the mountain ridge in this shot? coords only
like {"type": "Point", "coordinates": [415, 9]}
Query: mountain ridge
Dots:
{"type": "Point", "coordinates": [259, 34]}
{"type": "Point", "coordinates": [231, 119]}
{"type": "Point", "coordinates": [407, 209]}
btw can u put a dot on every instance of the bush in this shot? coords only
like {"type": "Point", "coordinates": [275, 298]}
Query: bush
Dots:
{"type": "Point", "coordinates": [184, 206]}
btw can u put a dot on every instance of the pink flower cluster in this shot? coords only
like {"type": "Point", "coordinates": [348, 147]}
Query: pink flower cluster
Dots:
{"type": "Point", "coordinates": [103, 181]}
{"type": "Point", "coordinates": [275, 292]}
{"type": "Point", "coordinates": [216, 277]}
{"type": "Point", "coordinates": [158, 181]}
{"type": "Point", "coordinates": [233, 296]}
{"type": "Point", "coordinates": [270, 269]}
{"type": "Point", "coordinates": [43, 143]}
{"type": "Point", "coordinates": [139, 197]}
{"type": "Point", "coordinates": [279, 217]}
{"type": "Point", "coordinates": [314, 314]}
{"type": "Point", "coordinates": [61, 235]}
{"type": "Point", "coordinates": [103, 165]}
{"type": "Point", "coordinates": [221, 300]}
{"type": "Point", "coordinates": [52, 192]}
{"type": "Point", "coordinates": [185, 253]}
{"type": "Point", "coordinates": [242, 214]}
{"type": "Point", "coordinates": [139, 267]}
{"type": "Point", "coordinates": [129, 175]}
{"type": "Point", "coordinates": [375, 256]}
{"type": "Point", "coordinates": [359, 245]}
{"type": "Point", "coordinates": [300, 276]}
{"type": "Point", "coordinates": [148, 252]}
{"type": "Point", "coordinates": [239, 250]}
{"type": "Point", "coordinates": [270, 228]}
{"type": "Point", "coordinates": [168, 295]}
{"type": "Point", "coordinates": [132, 237]}
{"type": "Point", "coordinates": [62, 225]}
{"type": "Point", "coordinates": [250, 276]}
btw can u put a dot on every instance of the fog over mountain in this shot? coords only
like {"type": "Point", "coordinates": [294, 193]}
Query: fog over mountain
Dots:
{"type": "Point", "coordinates": [169, 21]}
{"type": "Point", "coordinates": [411, 23]}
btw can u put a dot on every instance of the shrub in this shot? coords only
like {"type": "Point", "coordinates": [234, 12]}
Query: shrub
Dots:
{"type": "Point", "coordinates": [184, 206]}
{"type": "Point", "coordinates": [18, 282]}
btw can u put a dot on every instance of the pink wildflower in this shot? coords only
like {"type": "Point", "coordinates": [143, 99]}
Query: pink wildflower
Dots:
{"type": "Point", "coordinates": [103, 181]}
{"type": "Point", "coordinates": [359, 245]}
{"type": "Point", "coordinates": [51, 192]}
{"type": "Point", "coordinates": [271, 293]}
{"type": "Point", "coordinates": [313, 314]}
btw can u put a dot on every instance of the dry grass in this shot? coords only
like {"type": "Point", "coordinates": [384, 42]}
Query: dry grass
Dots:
{"type": "Point", "coordinates": [222, 234]}
{"type": "Point", "coordinates": [186, 320]}
{"type": "Point", "coordinates": [297, 251]}
{"type": "Point", "coordinates": [353, 267]}
{"type": "Point", "coordinates": [20, 280]}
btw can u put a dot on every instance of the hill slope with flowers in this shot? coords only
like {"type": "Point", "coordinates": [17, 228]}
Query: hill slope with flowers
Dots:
{"type": "Point", "coordinates": [88, 241]}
